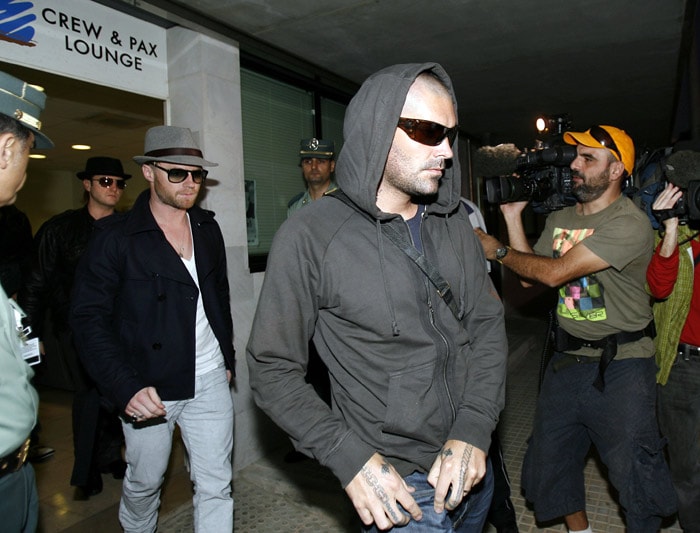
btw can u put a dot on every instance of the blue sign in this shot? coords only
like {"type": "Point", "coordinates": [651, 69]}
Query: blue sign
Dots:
{"type": "Point", "coordinates": [15, 22]}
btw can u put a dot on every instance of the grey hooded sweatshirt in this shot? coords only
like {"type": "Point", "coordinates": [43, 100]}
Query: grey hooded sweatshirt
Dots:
{"type": "Point", "coordinates": [406, 374]}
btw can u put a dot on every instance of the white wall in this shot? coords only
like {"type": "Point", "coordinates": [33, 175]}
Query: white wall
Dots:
{"type": "Point", "coordinates": [205, 96]}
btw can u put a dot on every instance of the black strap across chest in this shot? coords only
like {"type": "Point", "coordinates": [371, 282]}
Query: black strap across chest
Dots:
{"type": "Point", "coordinates": [403, 243]}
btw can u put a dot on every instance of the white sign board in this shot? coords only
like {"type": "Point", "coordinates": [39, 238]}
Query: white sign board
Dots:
{"type": "Point", "coordinates": [87, 41]}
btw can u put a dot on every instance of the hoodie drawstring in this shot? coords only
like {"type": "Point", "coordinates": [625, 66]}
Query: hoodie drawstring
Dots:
{"type": "Point", "coordinates": [392, 312]}
{"type": "Point", "coordinates": [460, 260]}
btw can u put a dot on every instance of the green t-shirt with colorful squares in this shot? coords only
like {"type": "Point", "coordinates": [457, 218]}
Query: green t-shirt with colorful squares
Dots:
{"type": "Point", "coordinates": [614, 299]}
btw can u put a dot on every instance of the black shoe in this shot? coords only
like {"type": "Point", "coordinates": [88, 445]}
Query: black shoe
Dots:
{"type": "Point", "coordinates": [39, 454]}
{"type": "Point", "coordinates": [511, 528]}
{"type": "Point", "coordinates": [93, 488]}
{"type": "Point", "coordinates": [117, 468]}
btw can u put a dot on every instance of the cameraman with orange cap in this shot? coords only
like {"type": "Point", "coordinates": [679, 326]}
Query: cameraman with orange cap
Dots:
{"type": "Point", "coordinates": [599, 386]}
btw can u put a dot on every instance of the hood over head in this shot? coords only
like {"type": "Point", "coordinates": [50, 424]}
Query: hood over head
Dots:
{"type": "Point", "coordinates": [370, 124]}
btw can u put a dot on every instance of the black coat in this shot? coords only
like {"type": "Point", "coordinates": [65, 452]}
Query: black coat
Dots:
{"type": "Point", "coordinates": [60, 242]}
{"type": "Point", "coordinates": [134, 304]}
{"type": "Point", "coordinates": [15, 248]}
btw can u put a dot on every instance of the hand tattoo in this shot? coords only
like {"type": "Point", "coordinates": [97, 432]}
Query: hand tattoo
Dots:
{"type": "Point", "coordinates": [464, 463]}
{"type": "Point", "coordinates": [379, 491]}
{"type": "Point", "coordinates": [459, 489]}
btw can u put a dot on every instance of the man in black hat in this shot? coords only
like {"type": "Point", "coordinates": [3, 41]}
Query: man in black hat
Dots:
{"type": "Point", "coordinates": [20, 131]}
{"type": "Point", "coordinates": [60, 242]}
{"type": "Point", "coordinates": [152, 323]}
{"type": "Point", "coordinates": [317, 166]}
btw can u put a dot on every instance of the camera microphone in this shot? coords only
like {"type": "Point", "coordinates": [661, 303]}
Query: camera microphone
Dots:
{"type": "Point", "coordinates": [495, 160]}
{"type": "Point", "coordinates": [682, 167]}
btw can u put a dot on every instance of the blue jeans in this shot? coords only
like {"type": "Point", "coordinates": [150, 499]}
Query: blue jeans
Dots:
{"type": "Point", "coordinates": [206, 425]}
{"type": "Point", "coordinates": [679, 418]}
{"type": "Point", "coordinates": [621, 422]}
{"type": "Point", "coordinates": [468, 517]}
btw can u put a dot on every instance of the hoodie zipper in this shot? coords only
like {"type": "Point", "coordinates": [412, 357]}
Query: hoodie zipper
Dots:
{"type": "Point", "coordinates": [433, 322]}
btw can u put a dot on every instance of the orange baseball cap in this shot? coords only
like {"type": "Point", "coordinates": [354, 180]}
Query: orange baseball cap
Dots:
{"type": "Point", "coordinates": [610, 137]}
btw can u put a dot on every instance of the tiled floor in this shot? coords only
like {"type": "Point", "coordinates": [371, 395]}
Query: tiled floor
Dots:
{"type": "Point", "coordinates": [58, 510]}
{"type": "Point", "coordinates": [273, 496]}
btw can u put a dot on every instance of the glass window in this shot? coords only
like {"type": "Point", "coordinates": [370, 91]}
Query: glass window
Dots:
{"type": "Point", "coordinates": [276, 116]}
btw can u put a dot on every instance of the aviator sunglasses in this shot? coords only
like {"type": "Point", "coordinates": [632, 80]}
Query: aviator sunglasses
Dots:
{"type": "Point", "coordinates": [178, 175]}
{"type": "Point", "coordinates": [427, 132]}
{"type": "Point", "coordinates": [604, 138]}
{"type": "Point", "coordinates": [106, 182]}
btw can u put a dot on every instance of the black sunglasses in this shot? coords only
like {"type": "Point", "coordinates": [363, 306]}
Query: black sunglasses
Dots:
{"type": "Point", "coordinates": [604, 138]}
{"type": "Point", "coordinates": [178, 175]}
{"type": "Point", "coordinates": [426, 132]}
{"type": "Point", "coordinates": [106, 182]}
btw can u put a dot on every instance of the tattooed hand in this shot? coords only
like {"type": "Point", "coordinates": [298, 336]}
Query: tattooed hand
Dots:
{"type": "Point", "coordinates": [376, 491]}
{"type": "Point", "coordinates": [460, 466]}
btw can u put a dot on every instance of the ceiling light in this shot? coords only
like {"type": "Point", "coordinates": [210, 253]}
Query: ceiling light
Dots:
{"type": "Point", "coordinates": [37, 156]}
{"type": "Point", "coordinates": [81, 147]}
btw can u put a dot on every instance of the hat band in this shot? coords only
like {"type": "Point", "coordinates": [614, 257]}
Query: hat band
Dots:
{"type": "Point", "coordinates": [306, 152]}
{"type": "Point", "coordinates": [22, 116]}
{"type": "Point", "coordinates": [27, 119]}
{"type": "Point", "coordinates": [174, 151]}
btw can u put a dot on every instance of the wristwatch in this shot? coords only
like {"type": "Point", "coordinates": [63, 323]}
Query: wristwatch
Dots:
{"type": "Point", "coordinates": [501, 253]}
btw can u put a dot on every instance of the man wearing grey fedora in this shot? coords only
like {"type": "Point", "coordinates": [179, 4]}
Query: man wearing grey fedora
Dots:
{"type": "Point", "coordinates": [20, 131]}
{"type": "Point", "coordinates": [152, 324]}
{"type": "Point", "coordinates": [59, 244]}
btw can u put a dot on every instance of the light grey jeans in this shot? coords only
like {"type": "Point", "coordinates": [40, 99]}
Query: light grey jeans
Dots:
{"type": "Point", "coordinates": [206, 425]}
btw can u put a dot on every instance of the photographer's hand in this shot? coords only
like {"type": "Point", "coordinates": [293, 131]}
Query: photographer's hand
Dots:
{"type": "Point", "coordinates": [667, 200]}
{"type": "Point", "coordinates": [489, 243]}
{"type": "Point", "coordinates": [511, 209]}
{"type": "Point", "coordinates": [512, 213]}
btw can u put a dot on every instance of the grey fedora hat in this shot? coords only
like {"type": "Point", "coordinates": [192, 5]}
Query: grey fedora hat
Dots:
{"type": "Point", "coordinates": [172, 144]}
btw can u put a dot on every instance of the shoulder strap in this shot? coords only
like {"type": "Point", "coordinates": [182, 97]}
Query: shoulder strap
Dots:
{"type": "Point", "coordinates": [403, 244]}
{"type": "Point", "coordinates": [295, 199]}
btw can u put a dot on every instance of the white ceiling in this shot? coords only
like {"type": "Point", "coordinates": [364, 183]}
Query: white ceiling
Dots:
{"type": "Point", "coordinates": [601, 61]}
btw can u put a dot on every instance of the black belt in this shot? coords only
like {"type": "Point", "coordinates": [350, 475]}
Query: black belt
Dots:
{"type": "Point", "coordinates": [563, 342]}
{"type": "Point", "coordinates": [15, 460]}
{"type": "Point", "coordinates": [569, 359]}
{"type": "Point", "coordinates": [688, 350]}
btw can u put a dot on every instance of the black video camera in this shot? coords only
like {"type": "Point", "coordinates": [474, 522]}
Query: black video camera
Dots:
{"type": "Point", "coordinates": [658, 167]}
{"type": "Point", "coordinates": [687, 207]}
{"type": "Point", "coordinates": [542, 177]}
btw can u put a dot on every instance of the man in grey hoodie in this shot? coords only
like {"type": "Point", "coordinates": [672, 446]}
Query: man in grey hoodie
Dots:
{"type": "Point", "coordinates": [417, 375]}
